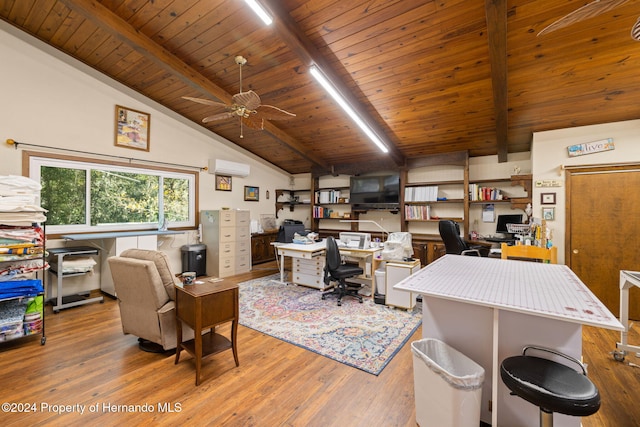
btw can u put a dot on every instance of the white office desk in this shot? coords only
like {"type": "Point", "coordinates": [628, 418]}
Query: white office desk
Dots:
{"type": "Point", "coordinates": [296, 250]}
{"type": "Point", "coordinates": [489, 309]}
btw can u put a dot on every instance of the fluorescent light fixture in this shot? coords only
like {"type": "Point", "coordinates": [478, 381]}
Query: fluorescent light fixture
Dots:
{"type": "Point", "coordinates": [326, 84]}
{"type": "Point", "coordinates": [260, 11]}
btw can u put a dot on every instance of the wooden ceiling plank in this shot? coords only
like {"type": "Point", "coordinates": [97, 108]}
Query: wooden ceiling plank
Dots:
{"type": "Point", "coordinates": [19, 12]}
{"type": "Point", "coordinates": [69, 26]}
{"type": "Point", "coordinates": [37, 15]}
{"type": "Point", "coordinates": [101, 52]}
{"type": "Point", "coordinates": [357, 23]}
{"type": "Point", "coordinates": [57, 14]}
{"type": "Point", "coordinates": [173, 20]}
{"type": "Point", "coordinates": [207, 29]}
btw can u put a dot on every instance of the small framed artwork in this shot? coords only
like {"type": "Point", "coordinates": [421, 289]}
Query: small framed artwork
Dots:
{"type": "Point", "coordinates": [223, 183]}
{"type": "Point", "coordinates": [251, 194]}
{"type": "Point", "coordinates": [132, 128]}
{"type": "Point", "coordinates": [548, 198]}
{"type": "Point", "coordinates": [548, 214]}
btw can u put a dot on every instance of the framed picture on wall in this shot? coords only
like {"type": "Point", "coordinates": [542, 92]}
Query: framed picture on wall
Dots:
{"type": "Point", "coordinates": [548, 214]}
{"type": "Point", "coordinates": [132, 128]}
{"type": "Point", "coordinates": [548, 198]}
{"type": "Point", "coordinates": [251, 194]}
{"type": "Point", "coordinates": [223, 183]}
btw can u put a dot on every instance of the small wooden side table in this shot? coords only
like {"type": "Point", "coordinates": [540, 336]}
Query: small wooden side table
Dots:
{"type": "Point", "coordinates": [204, 306]}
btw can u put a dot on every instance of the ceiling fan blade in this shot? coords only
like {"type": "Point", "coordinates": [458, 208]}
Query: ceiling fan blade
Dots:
{"type": "Point", "coordinates": [589, 10]}
{"type": "Point", "coordinates": [221, 116]}
{"type": "Point", "coordinates": [205, 101]}
{"type": "Point", "coordinates": [248, 99]}
{"type": "Point", "coordinates": [270, 112]}
{"type": "Point", "coordinates": [635, 31]}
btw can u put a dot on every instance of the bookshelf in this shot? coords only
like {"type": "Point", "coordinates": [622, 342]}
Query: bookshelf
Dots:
{"type": "Point", "coordinates": [330, 202]}
{"type": "Point", "coordinates": [435, 188]}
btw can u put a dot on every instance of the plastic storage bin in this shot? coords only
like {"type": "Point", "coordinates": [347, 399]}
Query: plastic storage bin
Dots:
{"type": "Point", "coordinates": [447, 385]}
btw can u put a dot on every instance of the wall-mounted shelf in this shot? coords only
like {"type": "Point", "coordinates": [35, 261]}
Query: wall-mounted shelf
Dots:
{"type": "Point", "coordinates": [292, 203]}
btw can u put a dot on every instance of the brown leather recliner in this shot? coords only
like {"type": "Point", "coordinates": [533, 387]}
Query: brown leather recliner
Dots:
{"type": "Point", "coordinates": [145, 288]}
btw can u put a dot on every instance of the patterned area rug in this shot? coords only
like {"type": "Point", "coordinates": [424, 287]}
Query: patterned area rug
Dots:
{"type": "Point", "coordinates": [365, 336]}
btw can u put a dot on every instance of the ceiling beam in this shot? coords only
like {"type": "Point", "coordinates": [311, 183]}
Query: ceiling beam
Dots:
{"type": "Point", "coordinates": [297, 41]}
{"type": "Point", "coordinates": [123, 31]}
{"type": "Point", "coordinates": [496, 12]}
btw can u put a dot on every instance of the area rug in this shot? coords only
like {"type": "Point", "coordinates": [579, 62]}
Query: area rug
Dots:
{"type": "Point", "coordinates": [365, 336]}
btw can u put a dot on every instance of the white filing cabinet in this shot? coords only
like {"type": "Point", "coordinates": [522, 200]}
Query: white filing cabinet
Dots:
{"type": "Point", "coordinates": [395, 271]}
{"type": "Point", "coordinates": [309, 271]}
{"type": "Point", "coordinates": [227, 235]}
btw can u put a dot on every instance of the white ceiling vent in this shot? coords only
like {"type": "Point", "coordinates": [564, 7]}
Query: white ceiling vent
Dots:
{"type": "Point", "coordinates": [225, 167]}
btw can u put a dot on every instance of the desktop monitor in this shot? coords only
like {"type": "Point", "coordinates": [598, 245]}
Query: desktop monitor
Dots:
{"type": "Point", "coordinates": [503, 220]}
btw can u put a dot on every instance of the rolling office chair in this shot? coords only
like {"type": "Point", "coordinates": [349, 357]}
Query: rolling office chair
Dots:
{"type": "Point", "coordinates": [335, 270]}
{"type": "Point", "coordinates": [454, 243]}
{"type": "Point", "coordinates": [550, 385]}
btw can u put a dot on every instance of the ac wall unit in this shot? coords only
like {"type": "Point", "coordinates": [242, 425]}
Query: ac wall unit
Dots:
{"type": "Point", "coordinates": [225, 167]}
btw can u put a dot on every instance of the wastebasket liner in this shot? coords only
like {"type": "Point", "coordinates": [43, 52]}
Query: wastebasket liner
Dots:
{"type": "Point", "coordinates": [455, 368]}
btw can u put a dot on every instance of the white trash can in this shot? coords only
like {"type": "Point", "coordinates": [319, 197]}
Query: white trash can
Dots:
{"type": "Point", "coordinates": [447, 385]}
{"type": "Point", "coordinates": [380, 276]}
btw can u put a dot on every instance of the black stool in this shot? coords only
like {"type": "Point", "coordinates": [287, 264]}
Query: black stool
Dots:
{"type": "Point", "coordinates": [551, 386]}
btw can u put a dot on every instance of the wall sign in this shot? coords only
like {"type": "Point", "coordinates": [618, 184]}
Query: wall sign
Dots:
{"type": "Point", "coordinates": [591, 147]}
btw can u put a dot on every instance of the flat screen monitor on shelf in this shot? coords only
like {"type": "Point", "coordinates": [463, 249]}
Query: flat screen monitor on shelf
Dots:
{"type": "Point", "coordinates": [503, 220]}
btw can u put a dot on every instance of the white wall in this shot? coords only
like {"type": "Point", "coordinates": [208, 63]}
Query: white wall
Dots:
{"type": "Point", "coordinates": [49, 99]}
{"type": "Point", "coordinates": [549, 153]}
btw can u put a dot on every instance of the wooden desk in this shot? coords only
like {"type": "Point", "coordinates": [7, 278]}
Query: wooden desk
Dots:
{"type": "Point", "coordinates": [204, 306]}
{"type": "Point", "coordinates": [489, 309]}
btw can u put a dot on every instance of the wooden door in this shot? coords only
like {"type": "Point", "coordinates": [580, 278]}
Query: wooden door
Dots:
{"type": "Point", "coordinates": [603, 225]}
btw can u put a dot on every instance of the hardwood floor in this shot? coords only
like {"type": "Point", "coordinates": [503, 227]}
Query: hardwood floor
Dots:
{"type": "Point", "coordinates": [89, 363]}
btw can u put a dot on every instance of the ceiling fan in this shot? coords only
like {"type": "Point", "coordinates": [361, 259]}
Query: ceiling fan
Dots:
{"type": "Point", "coordinates": [590, 10]}
{"type": "Point", "coordinates": [245, 105]}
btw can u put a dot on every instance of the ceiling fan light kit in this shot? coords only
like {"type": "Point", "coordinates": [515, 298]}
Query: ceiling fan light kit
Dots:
{"type": "Point", "coordinates": [331, 90]}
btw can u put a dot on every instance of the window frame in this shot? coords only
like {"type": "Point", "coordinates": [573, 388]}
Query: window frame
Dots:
{"type": "Point", "coordinates": [33, 161]}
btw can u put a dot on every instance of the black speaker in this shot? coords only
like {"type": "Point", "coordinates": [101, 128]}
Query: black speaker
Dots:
{"type": "Point", "coordinates": [194, 258]}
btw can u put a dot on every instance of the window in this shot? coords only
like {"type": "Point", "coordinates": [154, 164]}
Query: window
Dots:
{"type": "Point", "coordinates": [87, 196]}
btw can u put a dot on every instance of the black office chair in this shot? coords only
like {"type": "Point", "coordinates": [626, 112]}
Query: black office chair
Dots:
{"type": "Point", "coordinates": [550, 385]}
{"type": "Point", "coordinates": [454, 243]}
{"type": "Point", "coordinates": [335, 270]}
